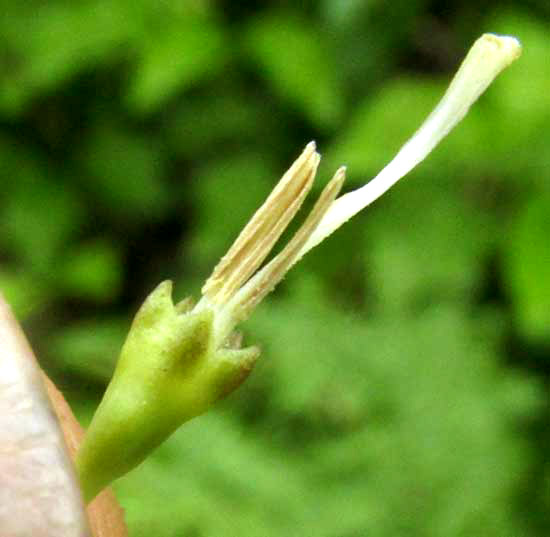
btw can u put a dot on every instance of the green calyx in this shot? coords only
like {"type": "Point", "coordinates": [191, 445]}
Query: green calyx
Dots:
{"type": "Point", "coordinates": [169, 371]}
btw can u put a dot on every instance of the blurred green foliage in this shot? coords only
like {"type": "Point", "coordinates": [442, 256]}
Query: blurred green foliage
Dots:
{"type": "Point", "coordinates": [403, 388]}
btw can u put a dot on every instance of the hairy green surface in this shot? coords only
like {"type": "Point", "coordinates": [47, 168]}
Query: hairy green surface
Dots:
{"type": "Point", "coordinates": [403, 383]}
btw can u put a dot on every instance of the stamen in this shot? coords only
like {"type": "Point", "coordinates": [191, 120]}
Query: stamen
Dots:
{"type": "Point", "coordinates": [266, 279]}
{"type": "Point", "coordinates": [264, 229]}
{"type": "Point", "coordinates": [260, 251]}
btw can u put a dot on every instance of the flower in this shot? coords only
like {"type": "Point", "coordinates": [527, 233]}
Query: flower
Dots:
{"type": "Point", "coordinates": [178, 360]}
{"type": "Point", "coordinates": [232, 291]}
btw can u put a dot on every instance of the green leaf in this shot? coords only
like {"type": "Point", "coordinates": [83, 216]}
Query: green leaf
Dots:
{"type": "Point", "coordinates": [93, 271]}
{"type": "Point", "coordinates": [426, 242]}
{"type": "Point", "coordinates": [50, 43]}
{"type": "Point", "coordinates": [26, 294]}
{"type": "Point", "coordinates": [182, 53]}
{"type": "Point", "coordinates": [88, 347]}
{"type": "Point", "coordinates": [125, 170]}
{"type": "Point", "coordinates": [40, 216]}
{"type": "Point", "coordinates": [527, 269]}
{"type": "Point", "coordinates": [229, 118]}
{"type": "Point", "coordinates": [293, 57]}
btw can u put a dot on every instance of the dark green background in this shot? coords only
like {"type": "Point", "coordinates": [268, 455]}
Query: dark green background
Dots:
{"type": "Point", "coordinates": [403, 384]}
